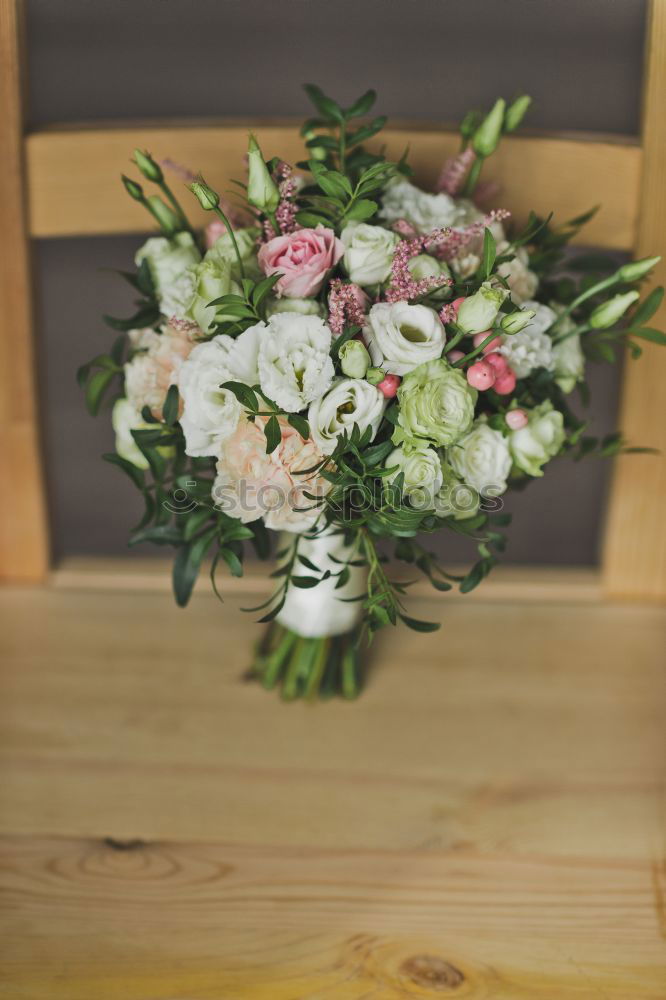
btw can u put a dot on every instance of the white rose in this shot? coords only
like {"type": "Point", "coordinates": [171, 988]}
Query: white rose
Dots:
{"type": "Point", "coordinates": [125, 419]}
{"type": "Point", "coordinates": [211, 414]}
{"type": "Point", "coordinates": [294, 362]}
{"type": "Point", "coordinates": [368, 252]}
{"type": "Point", "coordinates": [401, 337]}
{"type": "Point", "coordinates": [421, 467]}
{"type": "Point", "coordinates": [532, 347]}
{"type": "Point", "coordinates": [481, 458]}
{"type": "Point", "coordinates": [522, 282]}
{"type": "Point", "coordinates": [350, 401]}
{"type": "Point", "coordinates": [540, 440]}
{"type": "Point", "coordinates": [170, 262]}
{"type": "Point", "coordinates": [425, 212]}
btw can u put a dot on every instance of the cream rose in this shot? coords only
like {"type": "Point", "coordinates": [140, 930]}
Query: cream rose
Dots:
{"type": "Point", "coordinates": [368, 252]}
{"type": "Point", "coordinates": [349, 401]}
{"type": "Point", "coordinates": [294, 362]}
{"type": "Point", "coordinates": [401, 337]}
{"type": "Point", "coordinates": [482, 460]}
{"type": "Point", "coordinates": [211, 414]}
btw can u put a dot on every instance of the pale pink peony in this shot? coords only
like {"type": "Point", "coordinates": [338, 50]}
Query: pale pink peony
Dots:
{"type": "Point", "coordinates": [151, 371]}
{"type": "Point", "coordinates": [251, 484]}
{"type": "Point", "coordinates": [302, 258]}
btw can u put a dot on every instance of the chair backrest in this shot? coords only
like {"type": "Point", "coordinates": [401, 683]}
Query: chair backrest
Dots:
{"type": "Point", "coordinates": [63, 182]}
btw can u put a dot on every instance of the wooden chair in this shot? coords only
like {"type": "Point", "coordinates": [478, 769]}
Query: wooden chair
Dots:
{"type": "Point", "coordinates": [63, 181]}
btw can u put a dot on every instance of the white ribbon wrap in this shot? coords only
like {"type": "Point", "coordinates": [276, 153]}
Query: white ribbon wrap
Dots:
{"type": "Point", "coordinates": [318, 611]}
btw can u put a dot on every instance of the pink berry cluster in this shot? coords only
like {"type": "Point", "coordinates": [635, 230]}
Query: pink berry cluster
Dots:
{"type": "Point", "coordinates": [492, 371]}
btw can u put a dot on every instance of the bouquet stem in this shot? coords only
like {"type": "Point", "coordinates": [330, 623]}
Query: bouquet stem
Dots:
{"type": "Point", "coordinates": [309, 667]}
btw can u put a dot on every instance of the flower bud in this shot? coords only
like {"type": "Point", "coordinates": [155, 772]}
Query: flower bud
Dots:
{"type": "Point", "coordinates": [262, 190]}
{"type": "Point", "coordinates": [146, 164]}
{"type": "Point", "coordinates": [375, 375]}
{"type": "Point", "coordinates": [478, 311]}
{"type": "Point", "coordinates": [516, 112]}
{"type": "Point", "coordinates": [516, 321]}
{"type": "Point", "coordinates": [133, 189]}
{"type": "Point", "coordinates": [316, 152]}
{"type": "Point", "coordinates": [470, 123]}
{"type": "Point", "coordinates": [487, 135]}
{"type": "Point", "coordinates": [166, 217]}
{"type": "Point", "coordinates": [354, 359]}
{"type": "Point", "coordinates": [637, 269]}
{"type": "Point", "coordinates": [207, 198]}
{"type": "Point", "coordinates": [610, 312]}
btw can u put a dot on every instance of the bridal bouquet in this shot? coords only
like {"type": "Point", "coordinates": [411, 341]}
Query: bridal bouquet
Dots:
{"type": "Point", "coordinates": [355, 363]}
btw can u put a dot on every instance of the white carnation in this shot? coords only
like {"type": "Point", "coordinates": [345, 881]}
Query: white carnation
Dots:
{"type": "Point", "coordinates": [349, 401]}
{"type": "Point", "coordinates": [482, 460]}
{"type": "Point", "coordinates": [211, 414]}
{"type": "Point", "coordinates": [532, 347]}
{"type": "Point", "coordinates": [400, 337]}
{"type": "Point", "coordinates": [294, 363]}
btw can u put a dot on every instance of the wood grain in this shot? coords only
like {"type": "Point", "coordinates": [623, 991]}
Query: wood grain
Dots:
{"type": "Point", "coordinates": [485, 821]}
{"type": "Point", "coordinates": [23, 536]}
{"type": "Point", "coordinates": [75, 189]}
{"type": "Point", "coordinates": [634, 559]}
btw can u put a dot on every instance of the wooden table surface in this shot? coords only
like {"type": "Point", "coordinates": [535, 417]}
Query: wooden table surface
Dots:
{"type": "Point", "coordinates": [485, 822]}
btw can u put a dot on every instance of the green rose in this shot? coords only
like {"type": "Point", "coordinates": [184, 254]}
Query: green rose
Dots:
{"type": "Point", "coordinates": [421, 468]}
{"type": "Point", "coordinates": [212, 280]}
{"type": "Point", "coordinates": [170, 262]}
{"type": "Point", "coordinates": [436, 404]}
{"type": "Point", "coordinates": [540, 440]}
{"type": "Point", "coordinates": [246, 240]}
{"type": "Point", "coordinates": [455, 498]}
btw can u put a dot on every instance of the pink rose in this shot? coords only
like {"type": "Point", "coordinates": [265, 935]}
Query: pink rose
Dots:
{"type": "Point", "coordinates": [302, 258]}
{"type": "Point", "coordinates": [251, 484]}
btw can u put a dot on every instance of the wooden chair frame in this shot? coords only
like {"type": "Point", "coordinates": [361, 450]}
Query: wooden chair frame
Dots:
{"type": "Point", "coordinates": [63, 181]}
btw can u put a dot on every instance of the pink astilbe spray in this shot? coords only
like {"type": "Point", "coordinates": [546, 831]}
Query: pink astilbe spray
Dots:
{"type": "Point", "coordinates": [450, 245]}
{"type": "Point", "coordinates": [452, 178]}
{"type": "Point", "coordinates": [285, 213]}
{"type": "Point", "coordinates": [404, 286]}
{"type": "Point", "coordinates": [345, 306]}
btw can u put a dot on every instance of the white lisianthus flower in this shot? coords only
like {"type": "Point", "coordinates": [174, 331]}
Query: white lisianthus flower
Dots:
{"type": "Point", "coordinates": [478, 312]}
{"type": "Point", "coordinates": [170, 262]}
{"type": "Point", "coordinates": [124, 420]}
{"type": "Point", "coordinates": [349, 401]}
{"type": "Point", "coordinates": [540, 440]}
{"type": "Point", "coordinates": [421, 467]}
{"type": "Point", "coordinates": [522, 282]}
{"type": "Point", "coordinates": [482, 460]}
{"type": "Point", "coordinates": [401, 337]}
{"type": "Point", "coordinates": [568, 354]}
{"type": "Point", "coordinates": [368, 252]}
{"type": "Point", "coordinates": [402, 200]}
{"type": "Point", "coordinates": [294, 363]}
{"type": "Point", "coordinates": [211, 414]}
{"type": "Point", "coordinates": [532, 347]}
